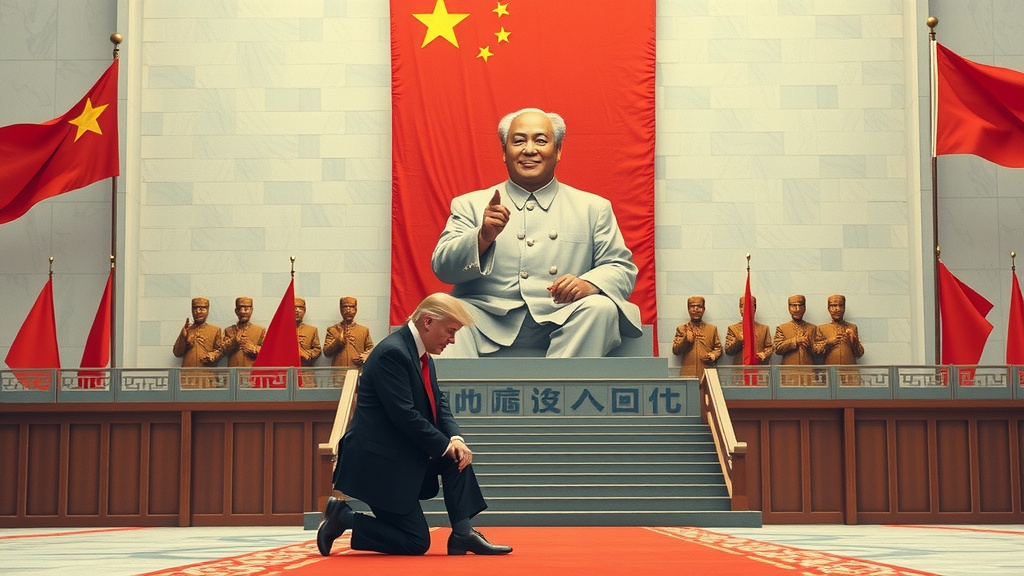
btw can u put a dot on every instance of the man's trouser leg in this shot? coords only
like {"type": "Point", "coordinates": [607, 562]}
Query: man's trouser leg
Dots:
{"type": "Point", "coordinates": [590, 332]}
{"type": "Point", "coordinates": [462, 496]}
{"type": "Point", "coordinates": [391, 533]}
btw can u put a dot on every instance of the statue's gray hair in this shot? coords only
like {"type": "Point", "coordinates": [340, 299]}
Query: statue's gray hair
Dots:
{"type": "Point", "coordinates": [556, 121]}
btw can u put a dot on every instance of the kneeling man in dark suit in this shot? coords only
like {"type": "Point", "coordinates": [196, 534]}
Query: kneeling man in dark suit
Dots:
{"type": "Point", "coordinates": [401, 438]}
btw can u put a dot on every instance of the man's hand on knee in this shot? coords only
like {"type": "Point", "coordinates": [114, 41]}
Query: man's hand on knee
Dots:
{"type": "Point", "coordinates": [569, 288]}
{"type": "Point", "coordinates": [460, 452]}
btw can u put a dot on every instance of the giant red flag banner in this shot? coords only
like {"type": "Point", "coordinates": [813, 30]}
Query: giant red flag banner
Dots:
{"type": "Point", "coordinates": [35, 345]}
{"type": "Point", "coordinates": [962, 313]}
{"type": "Point", "coordinates": [97, 345]}
{"type": "Point", "coordinates": [1015, 325]}
{"type": "Point", "coordinates": [280, 345]}
{"type": "Point", "coordinates": [978, 109]}
{"type": "Point", "coordinates": [67, 153]}
{"type": "Point", "coordinates": [458, 66]}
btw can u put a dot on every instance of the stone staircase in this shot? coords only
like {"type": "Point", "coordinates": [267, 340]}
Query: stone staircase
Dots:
{"type": "Point", "coordinates": [638, 455]}
{"type": "Point", "coordinates": [596, 471]}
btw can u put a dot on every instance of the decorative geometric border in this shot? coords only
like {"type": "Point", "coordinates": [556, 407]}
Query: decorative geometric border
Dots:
{"type": "Point", "coordinates": [262, 563]}
{"type": "Point", "coordinates": [806, 561]}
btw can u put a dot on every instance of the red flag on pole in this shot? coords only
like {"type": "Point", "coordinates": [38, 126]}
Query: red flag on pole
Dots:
{"type": "Point", "coordinates": [280, 346]}
{"type": "Point", "coordinates": [458, 66]}
{"type": "Point", "coordinates": [962, 313]}
{"type": "Point", "coordinates": [979, 109]}
{"type": "Point", "coordinates": [35, 345]}
{"type": "Point", "coordinates": [67, 153]}
{"type": "Point", "coordinates": [749, 341]}
{"type": "Point", "coordinates": [1015, 325]}
{"type": "Point", "coordinates": [97, 345]}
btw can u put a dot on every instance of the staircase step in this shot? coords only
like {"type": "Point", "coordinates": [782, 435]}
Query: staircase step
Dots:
{"type": "Point", "coordinates": [581, 469]}
{"type": "Point", "coordinates": [702, 519]}
{"type": "Point", "coordinates": [606, 490]}
{"type": "Point", "coordinates": [636, 516]}
{"type": "Point", "coordinates": [489, 478]}
{"type": "Point", "coordinates": [585, 446]}
{"type": "Point", "coordinates": [576, 438]}
{"type": "Point", "coordinates": [565, 456]}
{"type": "Point", "coordinates": [540, 420]}
{"type": "Point", "coordinates": [596, 504]}
{"type": "Point", "coordinates": [555, 427]}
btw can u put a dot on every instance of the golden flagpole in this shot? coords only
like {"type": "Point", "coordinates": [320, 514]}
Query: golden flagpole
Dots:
{"type": "Point", "coordinates": [116, 39]}
{"type": "Point", "coordinates": [932, 22]}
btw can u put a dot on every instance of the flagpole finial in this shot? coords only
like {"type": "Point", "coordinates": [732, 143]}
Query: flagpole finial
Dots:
{"type": "Point", "coordinates": [932, 22]}
{"type": "Point", "coordinates": [111, 261]}
{"type": "Point", "coordinates": [116, 40]}
{"type": "Point", "coordinates": [292, 258]}
{"type": "Point", "coordinates": [938, 251]}
{"type": "Point", "coordinates": [1013, 260]}
{"type": "Point", "coordinates": [748, 261]}
{"type": "Point", "coordinates": [51, 265]}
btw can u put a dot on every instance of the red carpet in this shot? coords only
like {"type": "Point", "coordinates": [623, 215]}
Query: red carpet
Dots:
{"type": "Point", "coordinates": [561, 552]}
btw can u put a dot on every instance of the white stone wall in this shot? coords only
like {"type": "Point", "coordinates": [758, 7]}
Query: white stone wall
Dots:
{"type": "Point", "coordinates": [255, 130]}
{"type": "Point", "coordinates": [783, 132]}
{"type": "Point", "coordinates": [265, 134]}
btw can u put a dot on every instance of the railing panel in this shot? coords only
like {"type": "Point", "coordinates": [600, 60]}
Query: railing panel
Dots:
{"type": "Point", "coordinates": [869, 382]}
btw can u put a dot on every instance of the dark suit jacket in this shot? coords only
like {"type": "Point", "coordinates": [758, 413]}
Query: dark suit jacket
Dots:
{"type": "Point", "coordinates": [384, 455]}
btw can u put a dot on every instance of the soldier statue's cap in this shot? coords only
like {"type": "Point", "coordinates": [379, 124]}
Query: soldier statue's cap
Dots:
{"type": "Point", "coordinates": [300, 302]}
{"type": "Point", "coordinates": [243, 301]}
{"type": "Point", "coordinates": [797, 298]}
{"type": "Point", "coordinates": [352, 300]}
{"type": "Point", "coordinates": [200, 301]}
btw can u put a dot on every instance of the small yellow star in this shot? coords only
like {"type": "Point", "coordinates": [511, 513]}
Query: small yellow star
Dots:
{"type": "Point", "coordinates": [501, 10]}
{"type": "Point", "coordinates": [440, 24]}
{"type": "Point", "coordinates": [88, 120]}
{"type": "Point", "coordinates": [485, 53]}
{"type": "Point", "coordinates": [502, 35]}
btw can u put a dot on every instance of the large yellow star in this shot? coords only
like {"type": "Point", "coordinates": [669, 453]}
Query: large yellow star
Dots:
{"type": "Point", "coordinates": [88, 120]}
{"type": "Point", "coordinates": [440, 24]}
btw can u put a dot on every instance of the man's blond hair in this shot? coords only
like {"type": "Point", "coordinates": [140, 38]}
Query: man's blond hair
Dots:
{"type": "Point", "coordinates": [441, 306]}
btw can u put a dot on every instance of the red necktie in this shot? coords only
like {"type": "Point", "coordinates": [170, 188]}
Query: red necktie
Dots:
{"type": "Point", "coordinates": [426, 384]}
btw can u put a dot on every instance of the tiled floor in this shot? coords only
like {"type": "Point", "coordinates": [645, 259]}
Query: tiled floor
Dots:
{"type": "Point", "coordinates": [946, 550]}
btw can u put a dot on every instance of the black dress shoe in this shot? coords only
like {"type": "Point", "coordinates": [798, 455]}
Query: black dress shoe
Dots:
{"type": "Point", "coordinates": [473, 542]}
{"type": "Point", "coordinates": [337, 519]}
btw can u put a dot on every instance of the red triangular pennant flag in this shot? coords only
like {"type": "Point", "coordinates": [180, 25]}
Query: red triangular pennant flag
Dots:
{"type": "Point", "coordinates": [1015, 326]}
{"type": "Point", "coordinates": [962, 314]}
{"type": "Point", "coordinates": [280, 346]}
{"type": "Point", "coordinates": [97, 345]}
{"type": "Point", "coordinates": [35, 345]}
{"type": "Point", "coordinates": [67, 153]}
{"type": "Point", "coordinates": [749, 340]}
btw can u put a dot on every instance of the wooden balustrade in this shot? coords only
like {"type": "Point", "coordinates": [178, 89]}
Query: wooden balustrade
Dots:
{"type": "Point", "coordinates": [731, 453]}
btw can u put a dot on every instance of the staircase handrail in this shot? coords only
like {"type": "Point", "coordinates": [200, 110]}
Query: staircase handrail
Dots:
{"type": "Point", "coordinates": [731, 453]}
{"type": "Point", "coordinates": [346, 405]}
